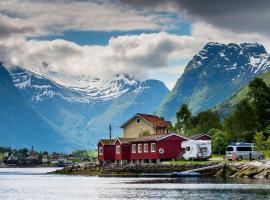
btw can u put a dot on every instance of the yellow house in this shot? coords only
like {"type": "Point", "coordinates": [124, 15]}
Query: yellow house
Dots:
{"type": "Point", "coordinates": [143, 124]}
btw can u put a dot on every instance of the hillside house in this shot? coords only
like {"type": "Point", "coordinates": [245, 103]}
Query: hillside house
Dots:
{"type": "Point", "coordinates": [142, 125]}
{"type": "Point", "coordinates": [106, 151]}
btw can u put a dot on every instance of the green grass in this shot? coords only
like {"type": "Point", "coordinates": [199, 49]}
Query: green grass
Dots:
{"type": "Point", "coordinates": [187, 162]}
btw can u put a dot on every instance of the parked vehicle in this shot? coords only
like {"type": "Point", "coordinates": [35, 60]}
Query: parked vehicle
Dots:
{"type": "Point", "coordinates": [197, 149]}
{"type": "Point", "coordinates": [243, 151]}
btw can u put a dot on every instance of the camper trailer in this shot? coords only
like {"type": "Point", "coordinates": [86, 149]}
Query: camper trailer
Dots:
{"type": "Point", "coordinates": [197, 149]}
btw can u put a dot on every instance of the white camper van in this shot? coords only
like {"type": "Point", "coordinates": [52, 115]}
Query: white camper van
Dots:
{"type": "Point", "coordinates": [197, 149]}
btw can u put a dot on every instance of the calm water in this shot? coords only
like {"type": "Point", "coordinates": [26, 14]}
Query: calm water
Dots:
{"type": "Point", "coordinates": [34, 183]}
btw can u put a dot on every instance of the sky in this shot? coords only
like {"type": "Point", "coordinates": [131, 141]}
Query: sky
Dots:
{"type": "Point", "coordinates": [149, 39]}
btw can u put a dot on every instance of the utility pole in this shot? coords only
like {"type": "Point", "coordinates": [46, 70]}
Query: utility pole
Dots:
{"type": "Point", "coordinates": [110, 131]}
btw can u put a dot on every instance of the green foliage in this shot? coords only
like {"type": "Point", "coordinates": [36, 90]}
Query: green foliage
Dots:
{"type": "Point", "coordinates": [259, 95]}
{"type": "Point", "coordinates": [190, 125]}
{"type": "Point", "coordinates": [84, 154]}
{"type": "Point", "coordinates": [219, 141]}
{"type": "Point", "coordinates": [183, 116]}
{"type": "Point", "coordinates": [261, 142]}
{"type": "Point", "coordinates": [242, 123]}
{"type": "Point", "coordinates": [145, 133]}
{"type": "Point", "coordinates": [208, 120]}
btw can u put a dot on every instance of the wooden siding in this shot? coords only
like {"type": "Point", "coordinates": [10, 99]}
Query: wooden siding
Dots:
{"type": "Point", "coordinates": [108, 152]}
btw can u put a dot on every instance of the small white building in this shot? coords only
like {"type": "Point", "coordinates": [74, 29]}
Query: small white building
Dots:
{"type": "Point", "coordinates": [197, 149]}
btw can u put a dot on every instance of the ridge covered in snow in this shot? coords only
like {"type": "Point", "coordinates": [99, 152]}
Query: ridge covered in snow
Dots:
{"type": "Point", "coordinates": [86, 89]}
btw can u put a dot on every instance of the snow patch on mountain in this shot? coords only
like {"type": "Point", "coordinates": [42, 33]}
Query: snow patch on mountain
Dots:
{"type": "Point", "coordinates": [86, 89]}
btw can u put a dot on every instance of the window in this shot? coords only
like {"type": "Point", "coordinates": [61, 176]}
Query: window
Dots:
{"type": "Point", "coordinates": [138, 120]}
{"type": "Point", "coordinates": [243, 149]}
{"type": "Point", "coordinates": [187, 148]}
{"type": "Point", "coordinates": [139, 148]}
{"type": "Point", "coordinates": [100, 151]}
{"type": "Point", "coordinates": [153, 147]}
{"type": "Point", "coordinates": [117, 149]}
{"type": "Point", "coordinates": [134, 148]}
{"type": "Point", "coordinates": [145, 148]}
{"type": "Point", "coordinates": [229, 149]}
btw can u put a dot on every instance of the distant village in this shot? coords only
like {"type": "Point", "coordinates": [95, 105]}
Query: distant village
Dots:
{"type": "Point", "coordinates": [147, 139]}
{"type": "Point", "coordinates": [30, 158]}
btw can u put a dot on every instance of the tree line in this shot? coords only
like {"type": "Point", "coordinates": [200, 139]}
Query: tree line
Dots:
{"type": "Point", "coordinates": [249, 122]}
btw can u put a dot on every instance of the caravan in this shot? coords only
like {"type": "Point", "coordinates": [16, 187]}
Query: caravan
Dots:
{"type": "Point", "coordinates": [197, 149]}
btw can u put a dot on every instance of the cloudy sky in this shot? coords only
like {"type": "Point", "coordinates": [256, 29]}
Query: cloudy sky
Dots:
{"type": "Point", "coordinates": [145, 38]}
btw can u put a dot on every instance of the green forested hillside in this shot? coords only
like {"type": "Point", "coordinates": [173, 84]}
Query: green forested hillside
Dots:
{"type": "Point", "coordinates": [228, 105]}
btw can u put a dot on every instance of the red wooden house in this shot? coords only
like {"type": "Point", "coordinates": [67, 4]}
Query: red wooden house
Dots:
{"type": "Point", "coordinates": [202, 136]}
{"type": "Point", "coordinates": [156, 147]}
{"type": "Point", "coordinates": [106, 151]}
{"type": "Point", "coordinates": [122, 150]}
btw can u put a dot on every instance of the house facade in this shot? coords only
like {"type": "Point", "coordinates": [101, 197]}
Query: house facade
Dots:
{"type": "Point", "coordinates": [156, 148]}
{"type": "Point", "coordinates": [142, 124]}
{"type": "Point", "coordinates": [146, 139]}
{"type": "Point", "coordinates": [122, 150]}
{"type": "Point", "coordinates": [106, 151]}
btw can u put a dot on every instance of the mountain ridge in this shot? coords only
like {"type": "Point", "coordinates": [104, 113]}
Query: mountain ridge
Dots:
{"type": "Point", "coordinates": [213, 75]}
{"type": "Point", "coordinates": [86, 112]}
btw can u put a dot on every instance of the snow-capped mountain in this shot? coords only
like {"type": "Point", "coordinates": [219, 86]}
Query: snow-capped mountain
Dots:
{"type": "Point", "coordinates": [214, 74]}
{"type": "Point", "coordinates": [23, 126]}
{"type": "Point", "coordinates": [85, 89]}
{"type": "Point", "coordinates": [85, 110]}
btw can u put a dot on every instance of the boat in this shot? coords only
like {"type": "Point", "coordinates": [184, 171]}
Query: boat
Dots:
{"type": "Point", "coordinates": [186, 174]}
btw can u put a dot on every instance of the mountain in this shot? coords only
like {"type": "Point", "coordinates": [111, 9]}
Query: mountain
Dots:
{"type": "Point", "coordinates": [85, 110]}
{"type": "Point", "coordinates": [22, 126]}
{"type": "Point", "coordinates": [228, 105]}
{"type": "Point", "coordinates": [213, 75]}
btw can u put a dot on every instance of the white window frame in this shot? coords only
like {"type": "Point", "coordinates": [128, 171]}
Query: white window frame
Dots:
{"type": "Point", "coordinates": [117, 149]}
{"type": "Point", "coordinates": [139, 148]}
{"type": "Point", "coordinates": [134, 148]}
{"type": "Point", "coordinates": [153, 147]}
{"type": "Point", "coordinates": [145, 147]}
{"type": "Point", "coordinates": [100, 151]}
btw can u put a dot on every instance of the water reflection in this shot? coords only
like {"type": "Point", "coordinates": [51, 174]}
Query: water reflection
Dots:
{"type": "Point", "coordinates": [35, 184]}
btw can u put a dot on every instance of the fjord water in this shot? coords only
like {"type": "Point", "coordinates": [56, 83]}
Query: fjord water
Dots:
{"type": "Point", "coordinates": [34, 183]}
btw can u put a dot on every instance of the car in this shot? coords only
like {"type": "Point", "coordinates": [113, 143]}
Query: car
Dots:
{"type": "Point", "coordinates": [243, 151]}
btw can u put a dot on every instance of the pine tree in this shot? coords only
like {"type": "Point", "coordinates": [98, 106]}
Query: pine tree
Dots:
{"type": "Point", "coordinates": [259, 95]}
{"type": "Point", "coordinates": [183, 117]}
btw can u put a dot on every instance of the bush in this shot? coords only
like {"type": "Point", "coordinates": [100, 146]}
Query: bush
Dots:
{"type": "Point", "coordinates": [219, 141]}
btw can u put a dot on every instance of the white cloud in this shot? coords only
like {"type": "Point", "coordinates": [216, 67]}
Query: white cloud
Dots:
{"type": "Point", "coordinates": [144, 55]}
{"type": "Point", "coordinates": [55, 17]}
{"type": "Point", "coordinates": [135, 55]}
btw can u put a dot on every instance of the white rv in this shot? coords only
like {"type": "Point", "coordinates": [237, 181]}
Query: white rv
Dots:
{"type": "Point", "coordinates": [197, 149]}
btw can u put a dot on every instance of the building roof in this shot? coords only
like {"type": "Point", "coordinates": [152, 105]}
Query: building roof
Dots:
{"type": "Point", "coordinates": [151, 119]}
{"type": "Point", "coordinates": [107, 141]}
{"type": "Point", "coordinates": [156, 137]}
{"type": "Point", "coordinates": [124, 140]}
{"type": "Point", "coordinates": [200, 135]}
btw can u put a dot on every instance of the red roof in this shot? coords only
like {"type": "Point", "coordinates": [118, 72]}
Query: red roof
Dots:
{"type": "Point", "coordinates": [156, 137]}
{"type": "Point", "coordinates": [106, 141]}
{"type": "Point", "coordinates": [124, 140]}
{"type": "Point", "coordinates": [152, 119]}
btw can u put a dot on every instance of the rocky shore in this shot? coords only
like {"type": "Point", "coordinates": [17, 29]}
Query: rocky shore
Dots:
{"type": "Point", "coordinates": [134, 169]}
{"type": "Point", "coordinates": [254, 169]}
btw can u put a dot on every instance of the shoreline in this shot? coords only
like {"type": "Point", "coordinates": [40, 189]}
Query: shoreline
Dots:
{"type": "Point", "coordinates": [253, 169]}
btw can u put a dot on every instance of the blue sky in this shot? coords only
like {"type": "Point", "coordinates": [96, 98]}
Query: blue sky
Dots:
{"type": "Point", "coordinates": [148, 39]}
